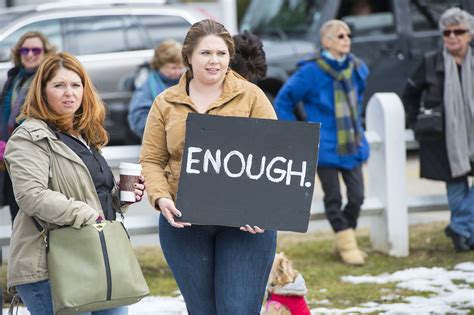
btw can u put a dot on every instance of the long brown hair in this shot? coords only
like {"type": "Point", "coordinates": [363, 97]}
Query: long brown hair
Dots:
{"type": "Point", "coordinates": [89, 118]}
{"type": "Point", "coordinates": [47, 46]}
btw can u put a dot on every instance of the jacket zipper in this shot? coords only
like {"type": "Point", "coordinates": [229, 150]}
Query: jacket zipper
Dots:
{"type": "Point", "coordinates": [107, 265]}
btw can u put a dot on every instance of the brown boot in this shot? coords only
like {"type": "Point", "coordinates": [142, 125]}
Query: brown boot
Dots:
{"type": "Point", "coordinates": [346, 245]}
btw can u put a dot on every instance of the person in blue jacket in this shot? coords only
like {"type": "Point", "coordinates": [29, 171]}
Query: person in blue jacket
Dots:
{"type": "Point", "coordinates": [166, 68]}
{"type": "Point", "coordinates": [331, 86]}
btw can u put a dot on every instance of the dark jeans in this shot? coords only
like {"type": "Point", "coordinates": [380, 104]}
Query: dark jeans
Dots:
{"type": "Point", "coordinates": [461, 204]}
{"type": "Point", "coordinates": [37, 298]}
{"type": "Point", "coordinates": [338, 218]}
{"type": "Point", "coordinates": [219, 270]}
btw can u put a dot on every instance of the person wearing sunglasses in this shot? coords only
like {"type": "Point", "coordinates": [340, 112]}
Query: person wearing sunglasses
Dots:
{"type": "Point", "coordinates": [26, 56]}
{"type": "Point", "coordinates": [439, 104]}
{"type": "Point", "coordinates": [331, 87]}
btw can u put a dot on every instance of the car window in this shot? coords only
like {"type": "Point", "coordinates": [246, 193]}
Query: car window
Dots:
{"type": "Point", "coordinates": [7, 17]}
{"type": "Point", "coordinates": [134, 35]}
{"type": "Point", "coordinates": [101, 34]}
{"type": "Point", "coordinates": [282, 18]}
{"type": "Point", "coordinates": [162, 27]}
{"type": "Point", "coordinates": [50, 28]}
{"type": "Point", "coordinates": [425, 14]}
{"type": "Point", "coordinates": [367, 17]}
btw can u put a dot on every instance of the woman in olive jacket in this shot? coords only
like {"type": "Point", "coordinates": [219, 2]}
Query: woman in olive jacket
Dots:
{"type": "Point", "coordinates": [59, 176]}
{"type": "Point", "coordinates": [443, 85]}
{"type": "Point", "coordinates": [219, 270]}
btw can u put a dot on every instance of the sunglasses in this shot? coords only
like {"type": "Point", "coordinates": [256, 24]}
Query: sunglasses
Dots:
{"type": "Point", "coordinates": [342, 35]}
{"type": "Point", "coordinates": [457, 32]}
{"type": "Point", "coordinates": [35, 50]}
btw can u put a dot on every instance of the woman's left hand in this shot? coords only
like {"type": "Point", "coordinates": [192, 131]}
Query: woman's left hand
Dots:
{"type": "Point", "coordinates": [254, 230]}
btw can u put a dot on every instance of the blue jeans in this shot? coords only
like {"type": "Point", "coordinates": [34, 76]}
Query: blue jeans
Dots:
{"type": "Point", "coordinates": [461, 204]}
{"type": "Point", "coordinates": [37, 298]}
{"type": "Point", "coordinates": [219, 270]}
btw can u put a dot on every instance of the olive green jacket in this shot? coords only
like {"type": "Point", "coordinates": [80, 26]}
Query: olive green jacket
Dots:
{"type": "Point", "coordinates": [52, 184]}
{"type": "Point", "coordinates": [163, 140]}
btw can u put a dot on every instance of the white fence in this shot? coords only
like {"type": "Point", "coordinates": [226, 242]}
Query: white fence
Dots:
{"type": "Point", "coordinates": [386, 202]}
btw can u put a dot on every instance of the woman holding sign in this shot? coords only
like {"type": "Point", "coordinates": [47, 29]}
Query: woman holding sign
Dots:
{"type": "Point", "coordinates": [219, 270]}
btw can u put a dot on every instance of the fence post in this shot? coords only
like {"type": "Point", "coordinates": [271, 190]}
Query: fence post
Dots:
{"type": "Point", "coordinates": [387, 174]}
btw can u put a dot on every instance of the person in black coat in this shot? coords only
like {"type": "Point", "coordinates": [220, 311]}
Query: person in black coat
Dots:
{"type": "Point", "coordinates": [439, 104]}
{"type": "Point", "coordinates": [27, 55]}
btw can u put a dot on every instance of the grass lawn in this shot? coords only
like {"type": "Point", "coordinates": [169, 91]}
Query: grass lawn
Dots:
{"type": "Point", "coordinates": [312, 254]}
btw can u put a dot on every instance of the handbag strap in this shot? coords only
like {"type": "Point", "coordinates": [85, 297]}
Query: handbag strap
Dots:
{"type": "Point", "coordinates": [39, 227]}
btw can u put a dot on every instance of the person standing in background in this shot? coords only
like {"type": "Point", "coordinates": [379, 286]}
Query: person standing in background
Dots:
{"type": "Point", "coordinates": [27, 55]}
{"type": "Point", "coordinates": [165, 69]}
{"type": "Point", "coordinates": [443, 85]}
{"type": "Point", "coordinates": [331, 87]}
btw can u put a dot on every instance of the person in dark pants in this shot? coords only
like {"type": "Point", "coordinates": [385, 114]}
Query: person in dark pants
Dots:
{"type": "Point", "coordinates": [442, 89]}
{"type": "Point", "coordinates": [219, 270]}
{"type": "Point", "coordinates": [27, 55]}
{"type": "Point", "coordinates": [331, 87]}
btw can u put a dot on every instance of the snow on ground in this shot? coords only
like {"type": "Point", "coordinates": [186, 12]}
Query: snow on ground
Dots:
{"type": "Point", "coordinates": [451, 293]}
{"type": "Point", "coordinates": [447, 296]}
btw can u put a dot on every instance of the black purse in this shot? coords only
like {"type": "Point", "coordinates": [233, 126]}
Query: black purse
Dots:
{"type": "Point", "coordinates": [429, 123]}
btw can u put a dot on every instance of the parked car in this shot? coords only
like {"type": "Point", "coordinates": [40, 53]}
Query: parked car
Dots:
{"type": "Point", "coordinates": [391, 36]}
{"type": "Point", "coordinates": [111, 40]}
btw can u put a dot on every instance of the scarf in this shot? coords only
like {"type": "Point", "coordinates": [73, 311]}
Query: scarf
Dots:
{"type": "Point", "coordinates": [159, 83]}
{"type": "Point", "coordinates": [345, 107]}
{"type": "Point", "coordinates": [15, 97]}
{"type": "Point", "coordinates": [459, 113]}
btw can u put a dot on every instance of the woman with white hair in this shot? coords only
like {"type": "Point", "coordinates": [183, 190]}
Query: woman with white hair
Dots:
{"type": "Point", "coordinates": [331, 87]}
{"type": "Point", "coordinates": [441, 89]}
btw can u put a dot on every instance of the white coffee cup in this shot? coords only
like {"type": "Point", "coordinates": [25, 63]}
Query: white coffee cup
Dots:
{"type": "Point", "coordinates": [129, 175]}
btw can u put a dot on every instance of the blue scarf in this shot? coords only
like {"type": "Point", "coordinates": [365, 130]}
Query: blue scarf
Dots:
{"type": "Point", "coordinates": [159, 83]}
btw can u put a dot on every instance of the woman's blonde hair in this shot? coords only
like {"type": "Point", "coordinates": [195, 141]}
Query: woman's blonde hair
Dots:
{"type": "Point", "coordinates": [47, 46]}
{"type": "Point", "coordinates": [88, 119]}
{"type": "Point", "coordinates": [169, 51]}
{"type": "Point", "coordinates": [282, 271]}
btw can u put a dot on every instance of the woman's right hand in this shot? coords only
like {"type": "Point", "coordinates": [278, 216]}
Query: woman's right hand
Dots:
{"type": "Point", "coordinates": [169, 211]}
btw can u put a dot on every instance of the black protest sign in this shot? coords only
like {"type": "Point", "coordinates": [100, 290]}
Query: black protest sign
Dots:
{"type": "Point", "coordinates": [237, 171]}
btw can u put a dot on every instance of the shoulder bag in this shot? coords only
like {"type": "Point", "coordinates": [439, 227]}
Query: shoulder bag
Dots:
{"type": "Point", "coordinates": [93, 268]}
{"type": "Point", "coordinates": [429, 123]}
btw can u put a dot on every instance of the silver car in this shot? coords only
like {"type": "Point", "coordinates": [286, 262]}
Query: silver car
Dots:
{"type": "Point", "coordinates": [111, 41]}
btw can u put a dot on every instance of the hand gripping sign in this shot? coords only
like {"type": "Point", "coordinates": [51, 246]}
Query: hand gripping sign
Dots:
{"type": "Point", "coordinates": [237, 171]}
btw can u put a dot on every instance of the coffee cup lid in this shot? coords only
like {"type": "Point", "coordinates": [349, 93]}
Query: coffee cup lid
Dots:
{"type": "Point", "coordinates": [130, 166]}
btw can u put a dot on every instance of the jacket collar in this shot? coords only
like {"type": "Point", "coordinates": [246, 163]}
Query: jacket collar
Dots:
{"type": "Point", "coordinates": [233, 86]}
{"type": "Point", "coordinates": [39, 131]}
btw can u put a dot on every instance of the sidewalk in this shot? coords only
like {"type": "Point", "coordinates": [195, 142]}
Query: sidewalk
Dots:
{"type": "Point", "coordinates": [154, 305]}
